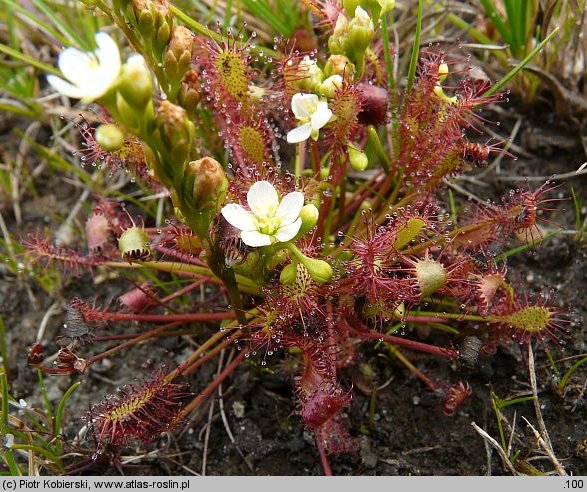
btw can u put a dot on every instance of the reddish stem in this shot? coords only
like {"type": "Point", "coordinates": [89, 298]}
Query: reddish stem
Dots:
{"type": "Point", "coordinates": [212, 353]}
{"type": "Point", "coordinates": [315, 158]}
{"type": "Point", "coordinates": [183, 257]}
{"type": "Point", "coordinates": [184, 290]}
{"type": "Point", "coordinates": [323, 457]}
{"type": "Point", "coordinates": [446, 353]}
{"type": "Point", "coordinates": [144, 336]}
{"type": "Point", "coordinates": [208, 390]}
{"type": "Point", "coordinates": [361, 194]}
{"type": "Point", "coordinates": [336, 174]}
{"type": "Point", "coordinates": [130, 336]}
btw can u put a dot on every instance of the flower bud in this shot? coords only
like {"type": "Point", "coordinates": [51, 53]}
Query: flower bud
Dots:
{"type": "Point", "coordinates": [339, 65]}
{"type": "Point", "coordinates": [350, 6]}
{"type": "Point", "coordinates": [209, 183]}
{"type": "Point", "coordinates": [338, 40]}
{"type": "Point", "coordinates": [360, 31]}
{"type": "Point", "coordinates": [308, 75]}
{"type": "Point", "coordinates": [189, 92]}
{"type": "Point", "coordinates": [154, 22]}
{"type": "Point", "coordinates": [289, 273]}
{"type": "Point", "coordinates": [139, 14]}
{"type": "Point", "coordinates": [178, 56]}
{"type": "Point", "coordinates": [357, 158]}
{"type": "Point", "coordinates": [309, 216]}
{"type": "Point", "coordinates": [378, 8]}
{"type": "Point", "coordinates": [109, 137]}
{"type": "Point", "coordinates": [329, 86]}
{"type": "Point", "coordinates": [386, 5]}
{"type": "Point", "coordinates": [431, 276]}
{"type": "Point", "coordinates": [319, 270]}
{"type": "Point", "coordinates": [442, 72]}
{"type": "Point", "coordinates": [175, 131]}
{"type": "Point", "coordinates": [136, 86]}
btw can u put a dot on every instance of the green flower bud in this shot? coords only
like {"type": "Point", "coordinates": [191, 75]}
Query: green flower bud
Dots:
{"type": "Point", "coordinates": [309, 215]}
{"type": "Point", "coordinates": [378, 8]}
{"type": "Point", "coordinates": [329, 86]}
{"type": "Point", "coordinates": [109, 137]}
{"type": "Point", "coordinates": [350, 6]}
{"type": "Point", "coordinates": [337, 42]}
{"type": "Point", "coordinates": [308, 75]}
{"type": "Point", "coordinates": [339, 65]}
{"type": "Point", "coordinates": [136, 86]}
{"type": "Point", "coordinates": [386, 5]}
{"type": "Point", "coordinates": [189, 92]}
{"type": "Point", "coordinates": [175, 131]}
{"type": "Point", "coordinates": [360, 31]}
{"type": "Point", "coordinates": [154, 22]}
{"type": "Point", "coordinates": [133, 244]}
{"type": "Point", "coordinates": [139, 14]}
{"type": "Point", "coordinates": [319, 270]}
{"type": "Point", "coordinates": [209, 183]}
{"type": "Point", "coordinates": [357, 158]}
{"type": "Point", "coordinates": [178, 56]}
{"type": "Point", "coordinates": [442, 72]}
{"type": "Point", "coordinates": [289, 273]}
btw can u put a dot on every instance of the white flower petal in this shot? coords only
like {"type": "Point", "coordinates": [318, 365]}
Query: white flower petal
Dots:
{"type": "Point", "coordinates": [303, 105]}
{"type": "Point", "coordinates": [65, 88]}
{"type": "Point", "coordinates": [288, 232]}
{"type": "Point", "coordinates": [255, 238]}
{"type": "Point", "coordinates": [262, 199]}
{"type": "Point", "coordinates": [74, 65]}
{"type": "Point", "coordinates": [237, 216]}
{"type": "Point", "coordinates": [290, 207]}
{"type": "Point", "coordinates": [321, 116]}
{"type": "Point", "coordinates": [108, 56]}
{"type": "Point", "coordinates": [300, 133]}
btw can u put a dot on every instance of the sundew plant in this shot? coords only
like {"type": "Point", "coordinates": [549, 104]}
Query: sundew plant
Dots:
{"type": "Point", "coordinates": [305, 186]}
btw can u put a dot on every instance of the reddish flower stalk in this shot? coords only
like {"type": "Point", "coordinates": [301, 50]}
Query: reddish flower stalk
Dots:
{"type": "Point", "coordinates": [208, 390]}
{"type": "Point", "coordinates": [189, 369]}
{"type": "Point", "coordinates": [368, 334]}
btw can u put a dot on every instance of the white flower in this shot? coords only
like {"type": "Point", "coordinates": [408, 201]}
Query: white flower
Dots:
{"type": "Point", "coordinates": [89, 75]}
{"type": "Point", "coordinates": [268, 221]}
{"type": "Point", "coordinates": [312, 113]}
